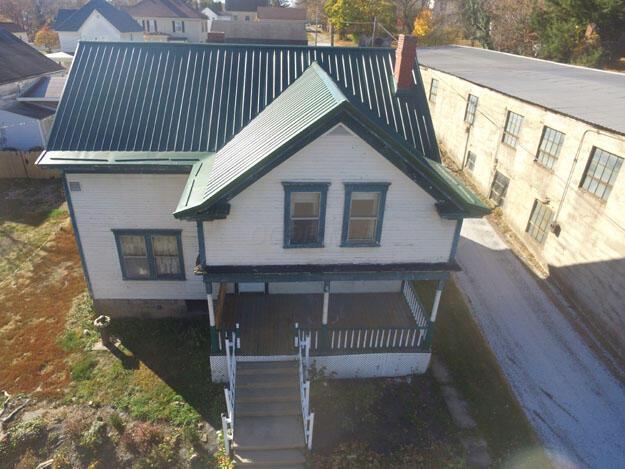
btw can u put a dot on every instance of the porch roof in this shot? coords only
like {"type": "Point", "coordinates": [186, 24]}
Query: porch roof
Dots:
{"type": "Point", "coordinates": [322, 272]}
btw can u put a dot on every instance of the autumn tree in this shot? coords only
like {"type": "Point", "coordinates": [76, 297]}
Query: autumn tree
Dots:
{"type": "Point", "coordinates": [407, 12]}
{"type": "Point", "coordinates": [47, 38]}
{"type": "Point", "coordinates": [357, 16]}
{"type": "Point", "coordinates": [423, 23]}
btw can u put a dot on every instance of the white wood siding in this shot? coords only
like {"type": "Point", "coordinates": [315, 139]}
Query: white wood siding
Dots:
{"type": "Point", "coordinates": [253, 232]}
{"type": "Point", "coordinates": [143, 201]}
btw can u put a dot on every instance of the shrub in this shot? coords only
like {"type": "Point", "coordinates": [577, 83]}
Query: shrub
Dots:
{"type": "Point", "coordinates": [70, 341]}
{"type": "Point", "coordinates": [75, 425]}
{"type": "Point", "coordinates": [142, 436]}
{"type": "Point", "coordinates": [116, 422]}
{"type": "Point", "coordinates": [95, 437]}
{"type": "Point", "coordinates": [83, 368]}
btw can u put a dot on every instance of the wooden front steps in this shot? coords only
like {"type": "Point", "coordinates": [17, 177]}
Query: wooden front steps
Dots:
{"type": "Point", "coordinates": [268, 428]}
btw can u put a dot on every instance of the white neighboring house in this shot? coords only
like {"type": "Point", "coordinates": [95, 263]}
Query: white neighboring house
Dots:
{"type": "Point", "coordinates": [212, 15]}
{"type": "Point", "coordinates": [25, 125]}
{"type": "Point", "coordinates": [169, 20]}
{"type": "Point", "coordinates": [97, 20]}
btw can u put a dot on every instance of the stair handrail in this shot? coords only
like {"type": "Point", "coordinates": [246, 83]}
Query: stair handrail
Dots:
{"type": "Point", "coordinates": [303, 359]}
{"type": "Point", "coordinates": [227, 421]}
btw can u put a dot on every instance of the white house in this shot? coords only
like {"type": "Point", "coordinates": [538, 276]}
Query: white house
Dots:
{"type": "Point", "coordinates": [293, 201]}
{"type": "Point", "coordinates": [170, 20]}
{"type": "Point", "coordinates": [97, 20]}
{"type": "Point", "coordinates": [24, 125]}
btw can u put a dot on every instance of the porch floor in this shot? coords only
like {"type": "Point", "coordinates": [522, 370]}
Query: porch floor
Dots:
{"type": "Point", "coordinates": [266, 322]}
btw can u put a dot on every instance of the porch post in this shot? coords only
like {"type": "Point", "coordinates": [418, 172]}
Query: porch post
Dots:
{"type": "Point", "coordinates": [208, 286]}
{"type": "Point", "coordinates": [437, 299]}
{"type": "Point", "coordinates": [324, 318]}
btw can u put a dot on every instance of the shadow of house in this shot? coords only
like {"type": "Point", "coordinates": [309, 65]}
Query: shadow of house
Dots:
{"type": "Point", "coordinates": [177, 351]}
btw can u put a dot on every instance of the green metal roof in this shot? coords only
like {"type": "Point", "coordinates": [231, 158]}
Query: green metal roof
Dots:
{"type": "Point", "coordinates": [305, 110]}
{"type": "Point", "coordinates": [147, 96]}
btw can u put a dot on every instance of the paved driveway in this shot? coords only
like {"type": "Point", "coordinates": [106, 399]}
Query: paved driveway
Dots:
{"type": "Point", "coordinates": [573, 402]}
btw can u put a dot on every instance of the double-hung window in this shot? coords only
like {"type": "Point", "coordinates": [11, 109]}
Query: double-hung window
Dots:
{"type": "Point", "coordinates": [150, 254]}
{"type": "Point", "coordinates": [513, 129]}
{"type": "Point", "coordinates": [469, 113]}
{"type": "Point", "coordinates": [601, 172]}
{"type": "Point", "coordinates": [433, 90]}
{"type": "Point", "coordinates": [540, 219]}
{"type": "Point", "coordinates": [363, 214]}
{"type": "Point", "coordinates": [304, 214]}
{"type": "Point", "coordinates": [550, 146]}
{"type": "Point", "coordinates": [177, 26]}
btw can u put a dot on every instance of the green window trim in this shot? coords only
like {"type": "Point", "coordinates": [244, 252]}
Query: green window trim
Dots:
{"type": "Point", "coordinates": [376, 187]}
{"type": "Point", "coordinates": [149, 254]}
{"type": "Point", "coordinates": [311, 187]}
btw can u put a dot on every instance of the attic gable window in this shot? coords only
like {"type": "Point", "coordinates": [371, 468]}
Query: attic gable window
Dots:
{"type": "Point", "coordinates": [363, 214]}
{"type": "Point", "coordinates": [304, 214]}
{"type": "Point", "coordinates": [150, 254]}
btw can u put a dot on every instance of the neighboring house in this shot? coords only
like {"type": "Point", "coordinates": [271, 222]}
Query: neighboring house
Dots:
{"type": "Point", "coordinates": [61, 58]}
{"type": "Point", "coordinates": [271, 25]}
{"type": "Point", "coordinates": [546, 142]}
{"type": "Point", "coordinates": [320, 201]}
{"type": "Point", "coordinates": [97, 20]}
{"type": "Point", "coordinates": [14, 29]}
{"type": "Point", "coordinates": [170, 20]}
{"type": "Point", "coordinates": [244, 10]}
{"type": "Point", "coordinates": [214, 14]}
{"type": "Point", "coordinates": [23, 125]}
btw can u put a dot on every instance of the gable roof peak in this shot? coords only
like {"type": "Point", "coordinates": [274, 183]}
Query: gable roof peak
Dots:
{"type": "Point", "coordinates": [72, 20]}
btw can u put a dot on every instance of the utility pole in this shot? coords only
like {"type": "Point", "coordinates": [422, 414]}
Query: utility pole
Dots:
{"type": "Point", "coordinates": [375, 23]}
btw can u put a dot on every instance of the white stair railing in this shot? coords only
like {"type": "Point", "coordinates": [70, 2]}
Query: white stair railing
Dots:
{"type": "Point", "coordinates": [303, 358]}
{"type": "Point", "coordinates": [227, 421]}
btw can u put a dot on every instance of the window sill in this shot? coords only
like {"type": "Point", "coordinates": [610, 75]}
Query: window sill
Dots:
{"type": "Point", "coordinates": [597, 200]}
{"type": "Point", "coordinates": [538, 164]}
{"type": "Point", "coordinates": [363, 244]}
{"type": "Point", "coordinates": [303, 246]}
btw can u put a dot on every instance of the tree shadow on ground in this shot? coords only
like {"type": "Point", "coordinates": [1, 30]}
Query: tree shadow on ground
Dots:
{"type": "Point", "coordinates": [178, 352]}
{"type": "Point", "coordinates": [29, 201]}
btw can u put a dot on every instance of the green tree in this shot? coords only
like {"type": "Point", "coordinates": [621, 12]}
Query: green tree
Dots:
{"type": "Point", "coordinates": [357, 16]}
{"type": "Point", "coordinates": [476, 18]}
{"type": "Point", "coordinates": [586, 32]}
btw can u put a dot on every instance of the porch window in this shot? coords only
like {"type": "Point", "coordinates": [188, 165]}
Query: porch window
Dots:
{"type": "Point", "coordinates": [304, 214]}
{"type": "Point", "coordinates": [363, 214]}
{"type": "Point", "coordinates": [150, 255]}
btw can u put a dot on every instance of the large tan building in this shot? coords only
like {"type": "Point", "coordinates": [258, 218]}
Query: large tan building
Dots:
{"type": "Point", "coordinates": [546, 142]}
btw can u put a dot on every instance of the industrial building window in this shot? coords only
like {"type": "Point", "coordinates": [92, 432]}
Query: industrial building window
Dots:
{"type": "Point", "coordinates": [499, 188]}
{"type": "Point", "coordinates": [550, 146]}
{"type": "Point", "coordinates": [512, 129]}
{"type": "Point", "coordinates": [150, 254]}
{"type": "Point", "coordinates": [304, 214]}
{"type": "Point", "coordinates": [363, 214]}
{"type": "Point", "coordinates": [433, 90]}
{"type": "Point", "coordinates": [471, 157]}
{"type": "Point", "coordinates": [601, 172]}
{"type": "Point", "coordinates": [469, 113]}
{"type": "Point", "coordinates": [539, 221]}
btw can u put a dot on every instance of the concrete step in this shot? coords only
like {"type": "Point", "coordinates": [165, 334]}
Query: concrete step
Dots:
{"type": "Point", "coordinates": [268, 433]}
{"type": "Point", "coordinates": [276, 379]}
{"type": "Point", "coordinates": [267, 409]}
{"type": "Point", "coordinates": [267, 394]}
{"type": "Point", "coordinates": [270, 458]}
{"type": "Point", "coordinates": [278, 367]}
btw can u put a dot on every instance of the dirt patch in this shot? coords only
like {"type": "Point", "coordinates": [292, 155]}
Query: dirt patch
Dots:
{"type": "Point", "coordinates": [33, 311]}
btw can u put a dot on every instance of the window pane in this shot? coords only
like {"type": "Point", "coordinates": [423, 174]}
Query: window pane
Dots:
{"type": "Point", "coordinates": [136, 267]}
{"type": "Point", "coordinates": [167, 266]}
{"type": "Point", "coordinates": [305, 204]}
{"type": "Point", "coordinates": [304, 231]}
{"type": "Point", "coordinates": [362, 230]}
{"type": "Point", "coordinates": [133, 245]}
{"type": "Point", "coordinates": [165, 245]}
{"type": "Point", "coordinates": [166, 255]}
{"type": "Point", "coordinates": [365, 204]}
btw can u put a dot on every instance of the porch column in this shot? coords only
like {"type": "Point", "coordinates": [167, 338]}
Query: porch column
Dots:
{"type": "Point", "coordinates": [434, 313]}
{"type": "Point", "coordinates": [324, 343]}
{"type": "Point", "coordinates": [208, 286]}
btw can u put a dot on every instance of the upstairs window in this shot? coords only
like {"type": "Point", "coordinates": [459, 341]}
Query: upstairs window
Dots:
{"type": "Point", "coordinates": [363, 214]}
{"type": "Point", "coordinates": [512, 129]}
{"type": "Point", "coordinates": [469, 113]}
{"type": "Point", "coordinates": [433, 90]}
{"type": "Point", "coordinates": [304, 214]}
{"type": "Point", "coordinates": [601, 172]}
{"type": "Point", "coordinates": [550, 146]}
{"type": "Point", "coordinates": [150, 254]}
{"type": "Point", "coordinates": [540, 219]}
{"type": "Point", "coordinates": [177, 26]}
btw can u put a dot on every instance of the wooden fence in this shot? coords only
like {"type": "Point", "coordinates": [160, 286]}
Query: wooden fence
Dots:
{"type": "Point", "coordinates": [21, 164]}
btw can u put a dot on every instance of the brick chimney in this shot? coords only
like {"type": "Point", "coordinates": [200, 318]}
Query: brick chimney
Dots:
{"type": "Point", "coordinates": [405, 57]}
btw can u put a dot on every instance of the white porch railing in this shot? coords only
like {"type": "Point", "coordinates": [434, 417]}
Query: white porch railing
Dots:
{"type": "Point", "coordinates": [415, 305]}
{"type": "Point", "coordinates": [303, 358]}
{"type": "Point", "coordinates": [227, 421]}
{"type": "Point", "coordinates": [367, 339]}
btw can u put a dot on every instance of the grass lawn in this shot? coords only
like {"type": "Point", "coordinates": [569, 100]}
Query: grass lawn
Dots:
{"type": "Point", "coordinates": [459, 343]}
